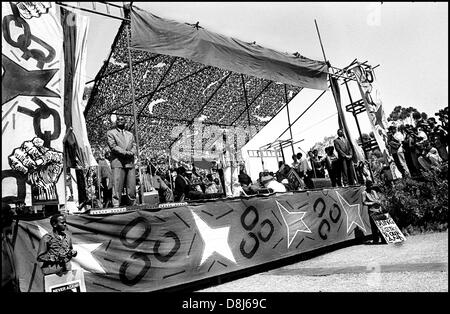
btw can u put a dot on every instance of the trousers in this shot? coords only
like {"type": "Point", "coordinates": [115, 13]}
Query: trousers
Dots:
{"type": "Point", "coordinates": [121, 176]}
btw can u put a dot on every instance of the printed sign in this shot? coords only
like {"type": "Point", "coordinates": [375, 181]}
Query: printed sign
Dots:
{"type": "Point", "coordinates": [73, 281]}
{"type": "Point", "coordinates": [389, 229]}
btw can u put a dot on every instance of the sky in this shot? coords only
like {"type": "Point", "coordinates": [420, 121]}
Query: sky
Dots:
{"type": "Point", "coordinates": [409, 42]}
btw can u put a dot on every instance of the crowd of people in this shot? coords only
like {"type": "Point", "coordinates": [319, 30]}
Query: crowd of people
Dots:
{"type": "Point", "coordinates": [419, 147]}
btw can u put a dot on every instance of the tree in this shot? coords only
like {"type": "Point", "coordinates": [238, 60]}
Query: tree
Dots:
{"type": "Point", "coordinates": [320, 146]}
{"type": "Point", "coordinates": [401, 114]}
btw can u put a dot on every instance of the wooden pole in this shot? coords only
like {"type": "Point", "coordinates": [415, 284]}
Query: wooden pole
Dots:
{"type": "Point", "coordinates": [134, 113]}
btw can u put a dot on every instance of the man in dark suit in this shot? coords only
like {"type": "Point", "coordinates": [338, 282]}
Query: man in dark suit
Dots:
{"type": "Point", "coordinates": [123, 148]}
{"type": "Point", "coordinates": [345, 155]}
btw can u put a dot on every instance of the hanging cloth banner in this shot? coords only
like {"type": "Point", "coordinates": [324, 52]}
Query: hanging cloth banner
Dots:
{"type": "Point", "coordinates": [147, 251]}
{"type": "Point", "coordinates": [374, 108]}
{"type": "Point", "coordinates": [75, 30]}
{"type": "Point", "coordinates": [32, 104]}
{"type": "Point", "coordinates": [357, 155]}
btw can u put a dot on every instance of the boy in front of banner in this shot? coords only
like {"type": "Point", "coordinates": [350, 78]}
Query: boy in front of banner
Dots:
{"type": "Point", "coordinates": [373, 202]}
{"type": "Point", "coordinates": [55, 248]}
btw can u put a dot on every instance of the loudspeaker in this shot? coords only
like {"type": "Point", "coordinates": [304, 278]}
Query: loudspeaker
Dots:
{"type": "Point", "coordinates": [321, 183]}
{"type": "Point", "coordinates": [151, 198]}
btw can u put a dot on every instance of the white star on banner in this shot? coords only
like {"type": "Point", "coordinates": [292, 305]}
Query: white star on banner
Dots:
{"type": "Point", "coordinates": [352, 212]}
{"type": "Point", "coordinates": [84, 260]}
{"type": "Point", "coordinates": [294, 223]}
{"type": "Point", "coordinates": [214, 239]}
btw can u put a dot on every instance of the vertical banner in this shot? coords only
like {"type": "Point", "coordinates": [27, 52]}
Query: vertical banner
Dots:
{"type": "Point", "coordinates": [365, 77]}
{"type": "Point", "coordinates": [32, 110]}
{"type": "Point", "coordinates": [75, 30]}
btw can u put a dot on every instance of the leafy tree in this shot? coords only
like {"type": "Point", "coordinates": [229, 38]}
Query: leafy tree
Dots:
{"type": "Point", "coordinates": [401, 113]}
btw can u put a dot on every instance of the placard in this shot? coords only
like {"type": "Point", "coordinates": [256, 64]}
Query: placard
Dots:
{"type": "Point", "coordinates": [388, 228]}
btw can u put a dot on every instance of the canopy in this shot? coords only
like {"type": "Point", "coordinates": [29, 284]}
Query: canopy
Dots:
{"type": "Point", "coordinates": [157, 35]}
{"type": "Point", "coordinates": [183, 74]}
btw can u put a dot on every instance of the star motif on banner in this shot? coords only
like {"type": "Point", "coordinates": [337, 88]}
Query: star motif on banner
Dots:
{"type": "Point", "coordinates": [379, 116]}
{"type": "Point", "coordinates": [352, 212]}
{"type": "Point", "coordinates": [17, 81]}
{"type": "Point", "coordinates": [84, 260]}
{"type": "Point", "coordinates": [294, 223]}
{"type": "Point", "coordinates": [214, 239]}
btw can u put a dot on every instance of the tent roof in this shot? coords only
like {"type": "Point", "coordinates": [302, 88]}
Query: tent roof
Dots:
{"type": "Point", "coordinates": [172, 91]}
{"type": "Point", "coordinates": [157, 35]}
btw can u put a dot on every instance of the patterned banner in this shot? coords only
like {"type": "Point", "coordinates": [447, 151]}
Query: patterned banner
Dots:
{"type": "Point", "coordinates": [32, 106]}
{"type": "Point", "coordinates": [374, 107]}
{"type": "Point", "coordinates": [147, 251]}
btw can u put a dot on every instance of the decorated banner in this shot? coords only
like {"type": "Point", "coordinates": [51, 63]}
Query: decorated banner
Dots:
{"type": "Point", "coordinates": [388, 228]}
{"type": "Point", "coordinates": [365, 76]}
{"type": "Point", "coordinates": [147, 251]}
{"type": "Point", "coordinates": [32, 105]}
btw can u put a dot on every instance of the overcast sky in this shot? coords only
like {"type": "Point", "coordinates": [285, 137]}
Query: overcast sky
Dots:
{"type": "Point", "coordinates": [408, 40]}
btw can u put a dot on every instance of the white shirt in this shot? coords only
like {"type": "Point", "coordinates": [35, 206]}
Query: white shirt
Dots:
{"type": "Point", "coordinates": [275, 186]}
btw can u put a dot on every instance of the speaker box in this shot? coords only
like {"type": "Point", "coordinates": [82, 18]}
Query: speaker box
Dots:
{"type": "Point", "coordinates": [151, 198]}
{"type": "Point", "coordinates": [321, 183]}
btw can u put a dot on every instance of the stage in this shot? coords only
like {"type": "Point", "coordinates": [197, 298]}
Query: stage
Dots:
{"type": "Point", "coordinates": [149, 249]}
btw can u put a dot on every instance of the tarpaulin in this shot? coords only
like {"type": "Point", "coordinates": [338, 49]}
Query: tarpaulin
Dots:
{"type": "Point", "coordinates": [148, 251]}
{"type": "Point", "coordinates": [162, 36]}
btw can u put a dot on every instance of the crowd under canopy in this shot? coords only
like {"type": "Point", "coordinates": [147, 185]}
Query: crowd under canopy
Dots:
{"type": "Point", "coordinates": [184, 73]}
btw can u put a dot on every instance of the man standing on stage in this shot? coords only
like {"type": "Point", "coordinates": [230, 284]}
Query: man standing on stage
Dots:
{"type": "Point", "coordinates": [345, 155]}
{"type": "Point", "coordinates": [123, 148]}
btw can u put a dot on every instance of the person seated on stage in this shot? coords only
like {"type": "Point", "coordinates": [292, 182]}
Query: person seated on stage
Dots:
{"type": "Point", "coordinates": [182, 185]}
{"type": "Point", "coordinates": [238, 190]}
{"type": "Point", "coordinates": [55, 248]}
{"type": "Point", "coordinates": [164, 192]}
{"type": "Point", "coordinates": [272, 185]}
{"type": "Point", "coordinates": [211, 186]}
{"type": "Point", "coordinates": [244, 178]}
{"type": "Point", "coordinates": [219, 186]}
{"type": "Point", "coordinates": [372, 200]}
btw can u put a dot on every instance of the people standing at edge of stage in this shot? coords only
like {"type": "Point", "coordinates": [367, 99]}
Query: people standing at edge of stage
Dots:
{"type": "Point", "coordinates": [55, 248]}
{"type": "Point", "coordinates": [333, 167]}
{"type": "Point", "coordinates": [106, 182]}
{"type": "Point", "coordinates": [345, 155]}
{"type": "Point", "coordinates": [123, 149]}
{"type": "Point", "coordinates": [304, 168]}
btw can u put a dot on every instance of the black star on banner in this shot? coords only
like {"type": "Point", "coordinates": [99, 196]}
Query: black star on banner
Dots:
{"type": "Point", "coordinates": [379, 116]}
{"type": "Point", "coordinates": [17, 81]}
{"type": "Point", "coordinates": [353, 213]}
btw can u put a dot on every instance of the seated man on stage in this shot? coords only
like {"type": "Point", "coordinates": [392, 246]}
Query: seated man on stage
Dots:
{"type": "Point", "coordinates": [123, 149]}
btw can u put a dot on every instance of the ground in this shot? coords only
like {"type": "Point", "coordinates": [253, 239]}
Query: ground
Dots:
{"type": "Point", "coordinates": [420, 264]}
